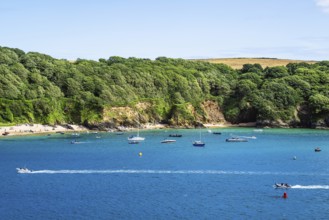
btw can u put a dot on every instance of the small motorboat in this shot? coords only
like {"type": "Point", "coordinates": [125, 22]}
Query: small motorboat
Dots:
{"type": "Point", "coordinates": [236, 139]}
{"type": "Point", "coordinates": [216, 132]}
{"type": "Point", "coordinates": [23, 170]}
{"type": "Point", "coordinates": [282, 186]}
{"type": "Point", "coordinates": [198, 144]}
{"type": "Point", "coordinates": [175, 135]}
{"type": "Point", "coordinates": [317, 149]}
{"type": "Point", "coordinates": [168, 141]}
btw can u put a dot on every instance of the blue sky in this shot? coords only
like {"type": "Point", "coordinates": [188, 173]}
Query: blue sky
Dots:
{"type": "Point", "coordinates": [71, 29]}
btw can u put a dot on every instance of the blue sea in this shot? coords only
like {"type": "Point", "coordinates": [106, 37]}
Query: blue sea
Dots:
{"type": "Point", "coordinates": [106, 178]}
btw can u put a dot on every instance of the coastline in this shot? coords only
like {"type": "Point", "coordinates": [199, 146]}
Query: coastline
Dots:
{"type": "Point", "coordinates": [31, 129]}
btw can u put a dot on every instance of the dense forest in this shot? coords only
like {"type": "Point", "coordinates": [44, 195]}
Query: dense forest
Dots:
{"type": "Point", "coordinates": [36, 88]}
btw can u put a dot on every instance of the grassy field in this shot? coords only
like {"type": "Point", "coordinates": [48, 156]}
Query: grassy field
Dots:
{"type": "Point", "coordinates": [237, 63]}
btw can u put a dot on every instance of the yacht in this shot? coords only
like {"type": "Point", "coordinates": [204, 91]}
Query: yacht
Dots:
{"type": "Point", "coordinates": [136, 137]}
{"type": "Point", "coordinates": [198, 144]}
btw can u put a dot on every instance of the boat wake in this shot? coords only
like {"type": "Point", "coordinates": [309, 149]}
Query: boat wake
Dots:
{"type": "Point", "coordinates": [133, 171]}
{"type": "Point", "coordinates": [310, 187]}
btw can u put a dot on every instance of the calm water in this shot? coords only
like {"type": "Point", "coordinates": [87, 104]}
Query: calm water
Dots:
{"type": "Point", "coordinates": [104, 178]}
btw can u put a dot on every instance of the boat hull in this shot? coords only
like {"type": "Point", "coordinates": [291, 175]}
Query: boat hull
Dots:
{"type": "Point", "coordinates": [136, 139]}
{"type": "Point", "coordinates": [175, 135]}
{"type": "Point", "coordinates": [198, 144]}
{"type": "Point", "coordinates": [168, 141]}
{"type": "Point", "coordinates": [236, 140]}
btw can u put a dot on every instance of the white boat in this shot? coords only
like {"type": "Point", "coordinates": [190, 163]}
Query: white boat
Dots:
{"type": "Point", "coordinates": [168, 141]}
{"type": "Point", "coordinates": [236, 139]}
{"type": "Point", "coordinates": [199, 143]}
{"type": "Point", "coordinates": [248, 137]}
{"type": "Point", "coordinates": [23, 170]}
{"type": "Point", "coordinates": [282, 185]}
{"type": "Point", "coordinates": [136, 137]}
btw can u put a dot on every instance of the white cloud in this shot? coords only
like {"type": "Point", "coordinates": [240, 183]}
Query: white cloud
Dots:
{"type": "Point", "coordinates": [324, 4]}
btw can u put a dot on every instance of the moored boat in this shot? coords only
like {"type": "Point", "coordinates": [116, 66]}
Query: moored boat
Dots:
{"type": "Point", "coordinates": [136, 138]}
{"type": "Point", "coordinates": [236, 139]}
{"type": "Point", "coordinates": [216, 132]}
{"type": "Point", "coordinates": [175, 135]}
{"type": "Point", "coordinates": [168, 141]}
{"type": "Point", "coordinates": [198, 144]}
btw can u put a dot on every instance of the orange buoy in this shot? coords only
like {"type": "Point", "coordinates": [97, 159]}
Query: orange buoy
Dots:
{"type": "Point", "coordinates": [285, 195]}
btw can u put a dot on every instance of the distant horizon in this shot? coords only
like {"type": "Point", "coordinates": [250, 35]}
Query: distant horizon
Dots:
{"type": "Point", "coordinates": [187, 29]}
{"type": "Point", "coordinates": [201, 58]}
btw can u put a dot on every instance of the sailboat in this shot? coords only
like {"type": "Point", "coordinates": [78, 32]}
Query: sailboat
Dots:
{"type": "Point", "coordinates": [199, 143]}
{"type": "Point", "coordinates": [136, 138]}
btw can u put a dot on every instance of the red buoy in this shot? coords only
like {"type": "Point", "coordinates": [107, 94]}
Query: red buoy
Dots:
{"type": "Point", "coordinates": [285, 195]}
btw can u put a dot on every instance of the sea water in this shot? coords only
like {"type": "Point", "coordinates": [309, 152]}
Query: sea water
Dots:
{"type": "Point", "coordinates": [105, 177]}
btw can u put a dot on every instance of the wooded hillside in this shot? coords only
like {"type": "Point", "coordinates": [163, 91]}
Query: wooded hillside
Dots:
{"type": "Point", "coordinates": [36, 88]}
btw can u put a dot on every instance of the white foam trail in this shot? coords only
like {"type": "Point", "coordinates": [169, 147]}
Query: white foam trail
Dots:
{"type": "Point", "coordinates": [131, 171]}
{"type": "Point", "coordinates": [310, 187]}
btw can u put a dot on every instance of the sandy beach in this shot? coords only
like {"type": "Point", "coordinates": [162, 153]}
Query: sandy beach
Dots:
{"type": "Point", "coordinates": [28, 129]}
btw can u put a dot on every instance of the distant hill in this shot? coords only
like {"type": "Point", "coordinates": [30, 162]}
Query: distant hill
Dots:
{"type": "Point", "coordinates": [237, 63]}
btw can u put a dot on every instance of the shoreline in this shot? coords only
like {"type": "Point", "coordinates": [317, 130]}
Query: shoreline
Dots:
{"type": "Point", "coordinates": [30, 129]}
{"type": "Point", "coordinates": [34, 129]}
